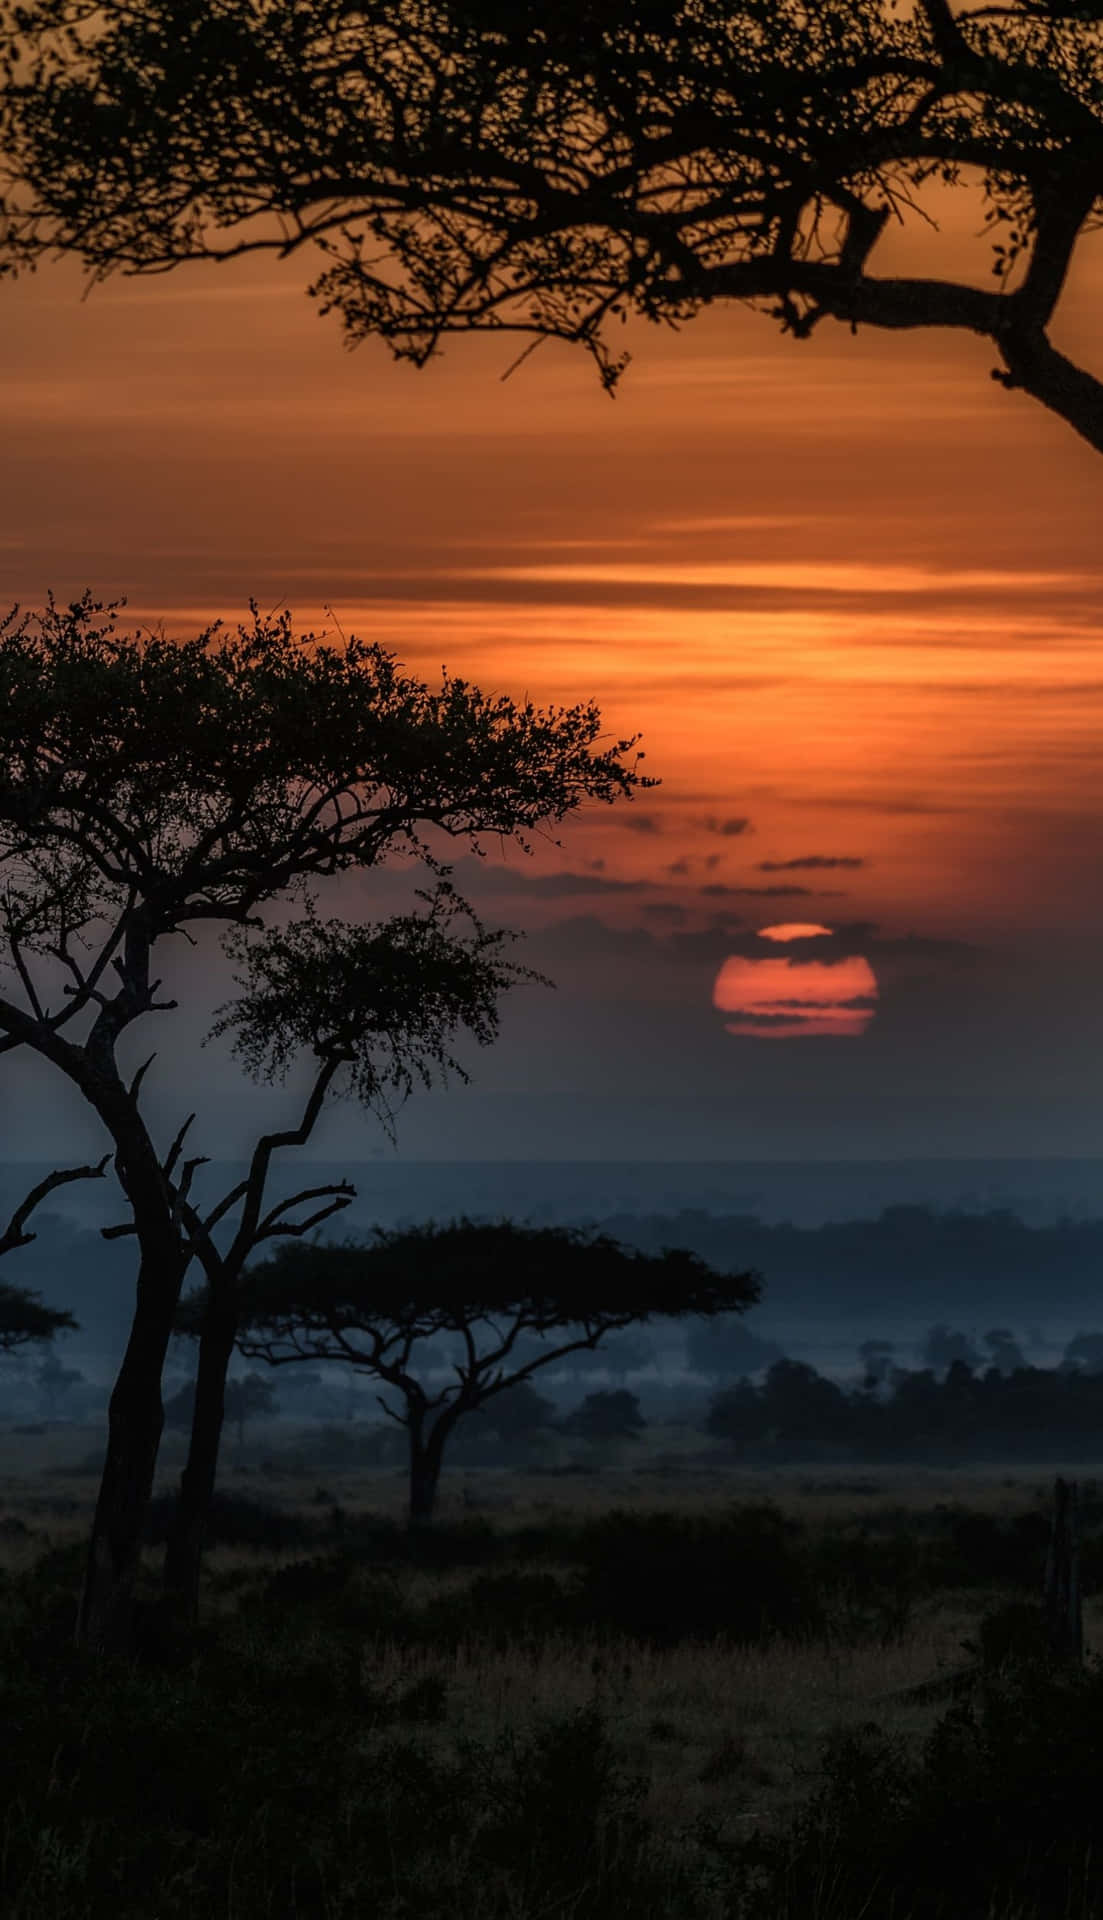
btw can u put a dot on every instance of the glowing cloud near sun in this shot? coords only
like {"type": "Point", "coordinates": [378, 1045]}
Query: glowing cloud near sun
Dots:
{"type": "Point", "coordinates": [793, 930]}
{"type": "Point", "coordinates": [788, 998]}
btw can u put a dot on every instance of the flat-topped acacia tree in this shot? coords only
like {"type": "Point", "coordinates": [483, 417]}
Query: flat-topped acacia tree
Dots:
{"type": "Point", "coordinates": [151, 786]}
{"type": "Point", "coordinates": [494, 1288]}
{"type": "Point", "coordinates": [550, 166]}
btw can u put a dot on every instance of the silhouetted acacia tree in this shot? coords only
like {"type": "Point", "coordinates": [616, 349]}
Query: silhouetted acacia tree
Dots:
{"type": "Point", "coordinates": [517, 1412]}
{"type": "Point", "coordinates": [1007, 1354]}
{"type": "Point", "coordinates": [487, 1286]}
{"type": "Point", "coordinates": [148, 786]}
{"type": "Point", "coordinates": [242, 1400]}
{"type": "Point", "coordinates": [605, 1416]}
{"type": "Point", "coordinates": [56, 1383]}
{"type": "Point", "coordinates": [550, 168]}
{"type": "Point", "coordinates": [795, 1403]}
{"type": "Point", "coordinates": [1083, 1354]}
{"type": "Point", "coordinates": [623, 1354]}
{"type": "Point", "coordinates": [736, 1414]}
{"type": "Point", "coordinates": [876, 1357]}
{"type": "Point", "coordinates": [943, 1345]}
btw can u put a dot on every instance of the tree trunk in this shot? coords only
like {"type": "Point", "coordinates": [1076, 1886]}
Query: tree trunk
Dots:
{"type": "Point", "coordinates": [1063, 1603]}
{"type": "Point", "coordinates": [187, 1530]}
{"type": "Point", "coordinates": [134, 1422]}
{"type": "Point", "coordinates": [426, 1456]}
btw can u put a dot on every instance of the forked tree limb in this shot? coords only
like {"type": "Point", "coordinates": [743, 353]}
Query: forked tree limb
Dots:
{"type": "Point", "coordinates": [15, 1234]}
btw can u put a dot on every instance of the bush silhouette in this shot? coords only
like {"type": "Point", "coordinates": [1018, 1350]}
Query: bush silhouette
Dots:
{"type": "Point", "coordinates": [504, 1609]}
{"type": "Point", "coordinates": [234, 1520]}
{"type": "Point", "coordinates": [605, 1416]}
{"type": "Point", "coordinates": [668, 1577]}
{"type": "Point", "coordinates": [1010, 1635]}
{"type": "Point", "coordinates": [999, 1815]}
{"type": "Point", "coordinates": [981, 1550]}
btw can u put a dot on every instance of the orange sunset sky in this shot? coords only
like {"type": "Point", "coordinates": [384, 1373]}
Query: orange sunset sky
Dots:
{"type": "Point", "coordinates": [849, 591]}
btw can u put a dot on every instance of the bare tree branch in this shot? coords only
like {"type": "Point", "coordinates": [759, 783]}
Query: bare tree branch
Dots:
{"type": "Point", "coordinates": [14, 1234]}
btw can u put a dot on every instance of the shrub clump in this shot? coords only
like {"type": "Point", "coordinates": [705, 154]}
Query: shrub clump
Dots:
{"type": "Point", "coordinates": [999, 1815]}
{"type": "Point", "coordinates": [665, 1577]}
{"type": "Point", "coordinates": [233, 1520]}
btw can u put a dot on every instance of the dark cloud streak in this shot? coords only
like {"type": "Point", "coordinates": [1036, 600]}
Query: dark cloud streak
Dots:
{"type": "Point", "coordinates": [811, 862]}
{"type": "Point", "coordinates": [727, 828]}
{"type": "Point", "coordinates": [477, 877]}
{"type": "Point", "coordinates": [718, 888]}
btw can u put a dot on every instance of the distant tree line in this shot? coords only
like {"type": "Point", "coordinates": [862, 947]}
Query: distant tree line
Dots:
{"type": "Point", "coordinates": [1033, 1413]}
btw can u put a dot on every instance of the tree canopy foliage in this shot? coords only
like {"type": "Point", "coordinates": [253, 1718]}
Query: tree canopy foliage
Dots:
{"type": "Point", "coordinates": [550, 169]}
{"type": "Point", "coordinates": [148, 786]}
{"type": "Point", "coordinates": [361, 1302]}
{"type": "Point", "coordinates": [23, 1318]}
{"type": "Point", "coordinates": [203, 778]}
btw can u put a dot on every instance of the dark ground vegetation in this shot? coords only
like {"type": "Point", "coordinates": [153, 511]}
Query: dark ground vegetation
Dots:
{"type": "Point", "coordinates": [291, 1757]}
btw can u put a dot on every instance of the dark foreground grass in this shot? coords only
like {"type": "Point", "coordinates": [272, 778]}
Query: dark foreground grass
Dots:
{"type": "Point", "coordinates": [999, 1816]}
{"type": "Point", "coordinates": [747, 1571]}
{"type": "Point", "coordinates": [260, 1767]}
{"type": "Point", "coordinates": [253, 1769]}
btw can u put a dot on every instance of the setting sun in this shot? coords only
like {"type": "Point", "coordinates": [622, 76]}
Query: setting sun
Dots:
{"type": "Point", "coordinates": [791, 998]}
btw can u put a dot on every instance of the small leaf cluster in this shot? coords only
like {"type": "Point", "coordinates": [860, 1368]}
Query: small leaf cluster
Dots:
{"type": "Point", "coordinates": [385, 998]}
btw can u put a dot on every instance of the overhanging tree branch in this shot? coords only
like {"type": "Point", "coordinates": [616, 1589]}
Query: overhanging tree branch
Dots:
{"type": "Point", "coordinates": [551, 170]}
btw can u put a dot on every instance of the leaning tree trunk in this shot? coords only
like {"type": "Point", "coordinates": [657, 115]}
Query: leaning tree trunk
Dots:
{"type": "Point", "coordinates": [187, 1529]}
{"type": "Point", "coordinates": [426, 1458]}
{"type": "Point", "coordinates": [134, 1422]}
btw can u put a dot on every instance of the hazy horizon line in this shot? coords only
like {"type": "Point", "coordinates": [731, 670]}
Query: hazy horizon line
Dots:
{"type": "Point", "coordinates": [647, 1160]}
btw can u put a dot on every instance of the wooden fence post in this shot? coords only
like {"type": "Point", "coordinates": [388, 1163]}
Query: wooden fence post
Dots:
{"type": "Point", "coordinates": [1063, 1611]}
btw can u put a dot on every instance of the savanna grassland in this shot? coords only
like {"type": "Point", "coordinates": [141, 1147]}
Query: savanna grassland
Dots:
{"type": "Point", "coordinates": [642, 1688]}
